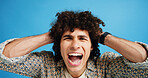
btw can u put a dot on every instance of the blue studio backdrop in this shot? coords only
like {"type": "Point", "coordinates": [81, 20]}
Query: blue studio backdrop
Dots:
{"type": "Point", "coordinates": [123, 18]}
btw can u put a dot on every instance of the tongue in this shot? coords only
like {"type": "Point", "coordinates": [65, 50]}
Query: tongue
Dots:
{"type": "Point", "coordinates": [74, 58]}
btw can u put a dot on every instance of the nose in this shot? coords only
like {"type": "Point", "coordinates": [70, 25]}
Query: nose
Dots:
{"type": "Point", "coordinates": [75, 45]}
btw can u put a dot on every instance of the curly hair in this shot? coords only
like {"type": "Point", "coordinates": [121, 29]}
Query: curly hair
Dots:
{"type": "Point", "coordinates": [68, 21]}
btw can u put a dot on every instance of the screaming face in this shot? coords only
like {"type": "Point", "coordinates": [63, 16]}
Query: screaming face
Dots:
{"type": "Point", "coordinates": [75, 49]}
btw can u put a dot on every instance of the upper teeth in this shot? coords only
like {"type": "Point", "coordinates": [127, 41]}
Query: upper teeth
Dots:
{"type": "Point", "coordinates": [75, 54]}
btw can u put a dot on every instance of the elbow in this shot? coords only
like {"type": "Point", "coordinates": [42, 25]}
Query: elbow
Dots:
{"type": "Point", "coordinates": [141, 58]}
{"type": "Point", "coordinates": [143, 54]}
{"type": "Point", "coordinates": [144, 57]}
{"type": "Point", "coordinates": [6, 53]}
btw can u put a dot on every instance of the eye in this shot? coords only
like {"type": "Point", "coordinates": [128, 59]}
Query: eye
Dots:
{"type": "Point", "coordinates": [83, 39]}
{"type": "Point", "coordinates": [68, 38]}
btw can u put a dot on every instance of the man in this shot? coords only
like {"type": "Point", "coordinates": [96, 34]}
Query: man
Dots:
{"type": "Point", "coordinates": [75, 36]}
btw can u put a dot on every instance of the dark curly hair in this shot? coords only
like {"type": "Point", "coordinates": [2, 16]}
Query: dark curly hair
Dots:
{"type": "Point", "coordinates": [68, 21]}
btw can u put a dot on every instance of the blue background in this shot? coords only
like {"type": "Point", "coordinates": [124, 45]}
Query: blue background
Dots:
{"type": "Point", "coordinates": [123, 18]}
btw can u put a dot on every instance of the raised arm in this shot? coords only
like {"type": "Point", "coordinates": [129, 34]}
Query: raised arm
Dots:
{"type": "Point", "coordinates": [22, 46]}
{"type": "Point", "coordinates": [130, 50]}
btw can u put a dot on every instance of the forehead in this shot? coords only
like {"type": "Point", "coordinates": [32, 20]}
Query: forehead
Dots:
{"type": "Point", "coordinates": [76, 32]}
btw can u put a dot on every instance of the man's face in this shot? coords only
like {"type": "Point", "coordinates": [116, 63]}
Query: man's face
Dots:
{"type": "Point", "coordinates": [75, 49]}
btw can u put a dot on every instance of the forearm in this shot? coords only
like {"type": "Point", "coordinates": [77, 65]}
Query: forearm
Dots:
{"type": "Point", "coordinates": [130, 50]}
{"type": "Point", "coordinates": [22, 46]}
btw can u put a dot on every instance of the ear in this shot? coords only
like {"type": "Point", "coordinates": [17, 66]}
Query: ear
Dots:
{"type": "Point", "coordinates": [91, 48]}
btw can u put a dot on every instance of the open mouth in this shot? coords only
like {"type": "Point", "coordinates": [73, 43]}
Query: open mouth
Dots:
{"type": "Point", "coordinates": [75, 58]}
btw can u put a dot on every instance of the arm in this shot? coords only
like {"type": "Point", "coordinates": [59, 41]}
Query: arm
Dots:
{"type": "Point", "coordinates": [130, 50]}
{"type": "Point", "coordinates": [22, 46]}
{"type": "Point", "coordinates": [19, 61]}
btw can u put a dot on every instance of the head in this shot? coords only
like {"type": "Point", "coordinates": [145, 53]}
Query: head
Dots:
{"type": "Point", "coordinates": [76, 36]}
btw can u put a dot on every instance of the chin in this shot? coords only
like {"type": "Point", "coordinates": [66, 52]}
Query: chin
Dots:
{"type": "Point", "coordinates": [75, 69]}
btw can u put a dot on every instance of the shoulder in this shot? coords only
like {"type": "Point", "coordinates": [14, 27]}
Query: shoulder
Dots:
{"type": "Point", "coordinates": [109, 55]}
{"type": "Point", "coordinates": [43, 55]}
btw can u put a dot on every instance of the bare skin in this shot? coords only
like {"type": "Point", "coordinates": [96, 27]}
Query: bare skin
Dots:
{"type": "Point", "coordinates": [76, 42]}
{"type": "Point", "coordinates": [22, 46]}
{"type": "Point", "coordinates": [130, 50]}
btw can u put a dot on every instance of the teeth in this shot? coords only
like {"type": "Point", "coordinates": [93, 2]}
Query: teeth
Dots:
{"type": "Point", "coordinates": [75, 54]}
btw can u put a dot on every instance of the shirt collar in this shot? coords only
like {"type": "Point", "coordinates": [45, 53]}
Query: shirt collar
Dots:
{"type": "Point", "coordinates": [91, 68]}
{"type": "Point", "coordinates": [67, 75]}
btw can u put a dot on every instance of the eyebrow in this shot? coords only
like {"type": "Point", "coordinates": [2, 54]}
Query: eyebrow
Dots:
{"type": "Point", "coordinates": [67, 36]}
{"type": "Point", "coordinates": [84, 36]}
{"type": "Point", "coordinates": [78, 36]}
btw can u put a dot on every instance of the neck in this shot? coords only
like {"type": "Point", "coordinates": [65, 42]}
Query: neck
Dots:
{"type": "Point", "coordinates": [76, 74]}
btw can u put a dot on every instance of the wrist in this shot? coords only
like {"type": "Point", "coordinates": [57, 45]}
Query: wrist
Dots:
{"type": "Point", "coordinates": [107, 39]}
{"type": "Point", "coordinates": [46, 38]}
{"type": "Point", "coordinates": [103, 37]}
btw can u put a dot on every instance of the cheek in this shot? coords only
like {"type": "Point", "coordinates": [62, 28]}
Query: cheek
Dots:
{"type": "Point", "coordinates": [63, 48]}
{"type": "Point", "coordinates": [87, 46]}
{"type": "Point", "coordinates": [87, 49]}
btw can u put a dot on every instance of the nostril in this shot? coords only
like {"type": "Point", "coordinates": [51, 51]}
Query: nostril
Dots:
{"type": "Point", "coordinates": [75, 46]}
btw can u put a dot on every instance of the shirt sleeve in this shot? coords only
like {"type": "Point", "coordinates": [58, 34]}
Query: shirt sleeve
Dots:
{"type": "Point", "coordinates": [31, 65]}
{"type": "Point", "coordinates": [142, 65]}
{"type": "Point", "coordinates": [27, 65]}
{"type": "Point", "coordinates": [10, 60]}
